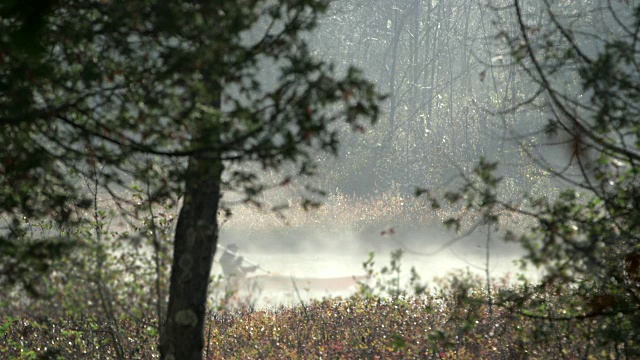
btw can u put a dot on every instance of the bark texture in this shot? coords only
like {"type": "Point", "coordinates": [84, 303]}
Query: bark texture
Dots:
{"type": "Point", "coordinates": [196, 238]}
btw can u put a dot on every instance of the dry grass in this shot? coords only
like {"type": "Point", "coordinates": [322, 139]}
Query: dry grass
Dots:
{"type": "Point", "coordinates": [384, 211]}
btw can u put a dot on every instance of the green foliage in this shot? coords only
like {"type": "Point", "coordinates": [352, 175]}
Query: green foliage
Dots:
{"type": "Point", "coordinates": [389, 281]}
{"type": "Point", "coordinates": [94, 297]}
{"type": "Point", "coordinates": [134, 89]}
{"type": "Point", "coordinates": [73, 338]}
{"type": "Point", "coordinates": [183, 99]}
{"type": "Point", "coordinates": [587, 235]}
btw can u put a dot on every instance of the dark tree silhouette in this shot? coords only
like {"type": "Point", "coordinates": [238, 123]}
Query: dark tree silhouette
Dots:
{"type": "Point", "coordinates": [168, 93]}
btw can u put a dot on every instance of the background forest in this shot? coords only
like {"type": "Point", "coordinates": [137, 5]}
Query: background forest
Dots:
{"type": "Point", "coordinates": [446, 76]}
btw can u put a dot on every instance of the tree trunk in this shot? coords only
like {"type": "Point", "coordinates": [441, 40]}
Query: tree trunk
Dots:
{"type": "Point", "coordinates": [196, 238]}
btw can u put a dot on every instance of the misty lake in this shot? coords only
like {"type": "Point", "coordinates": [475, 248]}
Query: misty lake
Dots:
{"type": "Point", "coordinates": [324, 256]}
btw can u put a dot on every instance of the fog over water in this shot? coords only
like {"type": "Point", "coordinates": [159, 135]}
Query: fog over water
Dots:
{"type": "Point", "coordinates": [306, 253]}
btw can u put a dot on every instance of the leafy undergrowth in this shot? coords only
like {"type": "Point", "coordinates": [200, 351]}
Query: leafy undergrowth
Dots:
{"type": "Point", "coordinates": [457, 324]}
{"type": "Point", "coordinates": [41, 337]}
{"type": "Point", "coordinates": [414, 328]}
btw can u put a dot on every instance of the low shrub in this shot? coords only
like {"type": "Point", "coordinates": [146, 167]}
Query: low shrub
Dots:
{"type": "Point", "coordinates": [453, 323]}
